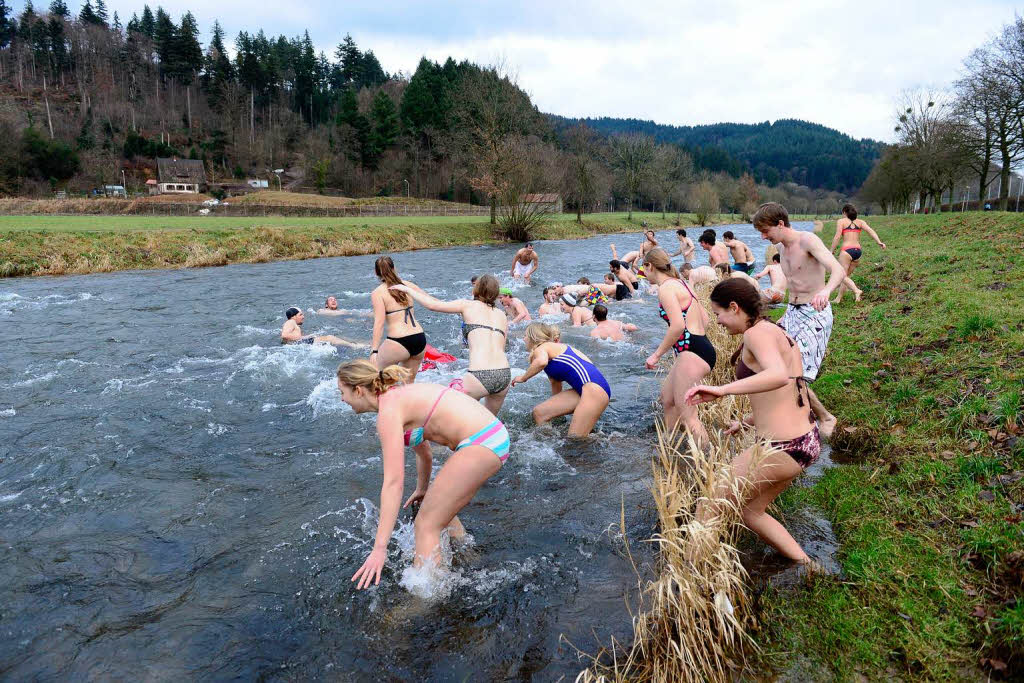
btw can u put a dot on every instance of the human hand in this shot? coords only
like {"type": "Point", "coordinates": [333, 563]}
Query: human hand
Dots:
{"type": "Point", "coordinates": [517, 380]}
{"type": "Point", "coordinates": [734, 427]}
{"type": "Point", "coordinates": [401, 288]}
{"type": "Point", "coordinates": [416, 497]}
{"type": "Point", "coordinates": [820, 300]}
{"type": "Point", "coordinates": [882, 245]}
{"type": "Point", "coordinates": [702, 393]}
{"type": "Point", "coordinates": [652, 361]}
{"type": "Point", "coordinates": [371, 569]}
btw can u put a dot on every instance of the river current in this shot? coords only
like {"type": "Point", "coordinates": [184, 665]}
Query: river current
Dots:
{"type": "Point", "coordinates": [183, 497]}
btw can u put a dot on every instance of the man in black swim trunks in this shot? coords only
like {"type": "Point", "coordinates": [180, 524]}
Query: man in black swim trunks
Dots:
{"type": "Point", "coordinates": [291, 332]}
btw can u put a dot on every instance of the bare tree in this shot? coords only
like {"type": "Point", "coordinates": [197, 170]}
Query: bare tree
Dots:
{"type": "Point", "coordinates": [583, 177]}
{"type": "Point", "coordinates": [525, 167]}
{"type": "Point", "coordinates": [631, 156]}
{"type": "Point", "coordinates": [670, 167]}
{"type": "Point", "coordinates": [704, 201]}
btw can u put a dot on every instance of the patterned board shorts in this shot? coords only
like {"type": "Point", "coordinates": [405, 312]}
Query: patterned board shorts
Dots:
{"type": "Point", "coordinates": [810, 329]}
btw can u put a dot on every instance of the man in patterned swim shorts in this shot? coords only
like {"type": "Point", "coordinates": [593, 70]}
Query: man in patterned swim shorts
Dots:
{"type": "Point", "coordinates": [808, 317]}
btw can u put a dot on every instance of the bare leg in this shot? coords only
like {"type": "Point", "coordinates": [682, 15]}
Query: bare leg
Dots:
{"type": "Point", "coordinates": [591, 405]}
{"type": "Point", "coordinates": [338, 341]}
{"type": "Point", "coordinates": [826, 420]}
{"type": "Point", "coordinates": [455, 485]}
{"type": "Point", "coordinates": [687, 371]}
{"type": "Point", "coordinates": [471, 387]}
{"type": "Point", "coordinates": [848, 264]}
{"type": "Point", "coordinates": [562, 403]}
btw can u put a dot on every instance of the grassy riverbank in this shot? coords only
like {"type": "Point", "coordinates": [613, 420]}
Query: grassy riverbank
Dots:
{"type": "Point", "coordinates": [925, 376]}
{"type": "Point", "coordinates": [55, 245]}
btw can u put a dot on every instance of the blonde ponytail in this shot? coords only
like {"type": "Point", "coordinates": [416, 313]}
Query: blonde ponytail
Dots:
{"type": "Point", "coordinates": [539, 333]}
{"type": "Point", "coordinates": [363, 373]}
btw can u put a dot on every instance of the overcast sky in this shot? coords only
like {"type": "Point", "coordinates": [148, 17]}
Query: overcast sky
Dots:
{"type": "Point", "coordinates": [836, 62]}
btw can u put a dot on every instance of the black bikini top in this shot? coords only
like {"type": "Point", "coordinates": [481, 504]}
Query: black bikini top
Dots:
{"type": "Point", "coordinates": [409, 319]}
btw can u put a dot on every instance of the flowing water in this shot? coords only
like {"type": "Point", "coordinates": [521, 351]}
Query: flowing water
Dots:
{"type": "Point", "coordinates": [182, 496]}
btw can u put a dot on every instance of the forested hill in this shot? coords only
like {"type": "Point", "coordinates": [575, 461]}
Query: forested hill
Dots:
{"type": "Point", "coordinates": [787, 150]}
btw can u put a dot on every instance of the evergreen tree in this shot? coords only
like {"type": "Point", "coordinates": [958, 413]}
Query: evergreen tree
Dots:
{"type": "Point", "coordinates": [147, 25]}
{"type": "Point", "coordinates": [88, 15]}
{"type": "Point", "coordinates": [350, 62]}
{"type": "Point", "coordinates": [218, 66]}
{"type": "Point", "coordinates": [133, 25]}
{"type": "Point", "coordinates": [117, 23]}
{"type": "Point", "coordinates": [305, 77]}
{"type": "Point", "coordinates": [59, 8]}
{"type": "Point", "coordinates": [187, 53]}
{"type": "Point", "coordinates": [385, 126]}
{"type": "Point", "coordinates": [27, 23]}
{"type": "Point", "coordinates": [348, 115]}
{"type": "Point", "coordinates": [101, 11]}
{"type": "Point", "coordinates": [58, 43]}
{"type": "Point", "coordinates": [372, 72]}
{"type": "Point", "coordinates": [163, 39]}
{"type": "Point", "coordinates": [7, 25]}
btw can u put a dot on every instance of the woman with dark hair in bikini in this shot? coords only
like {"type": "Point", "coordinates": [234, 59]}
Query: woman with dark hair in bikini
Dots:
{"type": "Point", "coordinates": [848, 229]}
{"type": "Point", "coordinates": [485, 329]}
{"type": "Point", "coordinates": [769, 371]}
{"type": "Point", "coordinates": [695, 356]}
{"type": "Point", "coordinates": [405, 342]}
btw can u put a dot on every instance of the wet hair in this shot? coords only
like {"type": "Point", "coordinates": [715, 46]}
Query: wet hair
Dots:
{"type": "Point", "coordinates": [747, 298]}
{"type": "Point", "coordinates": [769, 214]}
{"type": "Point", "coordinates": [473, 279]}
{"type": "Point", "coordinates": [292, 312]}
{"type": "Point", "coordinates": [538, 333]}
{"type": "Point", "coordinates": [583, 281]}
{"type": "Point", "coordinates": [727, 235]}
{"type": "Point", "coordinates": [723, 269]}
{"type": "Point", "coordinates": [681, 232]}
{"type": "Point", "coordinates": [363, 373]}
{"type": "Point", "coordinates": [328, 300]}
{"type": "Point", "coordinates": [658, 259]}
{"type": "Point", "coordinates": [614, 265]}
{"type": "Point", "coordinates": [385, 269]}
{"type": "Point", "coordinates": [609, 277]}
{"type": "Point", "coordinates": [600, 312]}
{"type": "Point", "coordinates": [685, 270]}
{"type": "Point", "coordinates": [708, 237]}
{"type": "Point", "coordinates": [850, 211]}
{"type": "Point", "coordinates": [486, 289]}
{"type": "Point", "coordinates": [544, 293]}
{"type": "Point", "coordinates": [776, 258]}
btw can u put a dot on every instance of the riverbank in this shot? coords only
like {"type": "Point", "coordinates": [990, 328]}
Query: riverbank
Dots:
{"type": "Point", "coordinates": [57, 245]}
{"type": "Point", "coordinates": [925, 376]}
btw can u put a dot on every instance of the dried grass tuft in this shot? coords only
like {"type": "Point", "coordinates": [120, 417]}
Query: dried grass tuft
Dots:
{"type": "Point", "coordinates": [198, 256]}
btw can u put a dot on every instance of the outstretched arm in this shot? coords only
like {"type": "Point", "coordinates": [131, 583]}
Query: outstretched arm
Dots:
{"type": "Point", "coordinates": [431, 302]}
{"type": "Point", "coordinates": [835, 239]}
{"type": "Point", "coordinates": [874, 235]}
{"type": "Point", "coordinates": [538, 361]}
{"type": "Point", "coordinates": [762, 273]}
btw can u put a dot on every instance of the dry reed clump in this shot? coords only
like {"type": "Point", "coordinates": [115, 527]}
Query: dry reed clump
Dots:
{"type": "Point", "coordinates": [261, 253]}
{"type": "Point", "coordinates": [818, 226]}
{"type": "Point", "coordinates": [199, 255]}
{"type": "Point", "coordinates": [55, 264]}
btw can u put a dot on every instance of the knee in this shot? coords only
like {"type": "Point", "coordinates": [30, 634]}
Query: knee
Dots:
{"type": "Point", "coordinates": [538, 415]}
{"type": "Point", "coordinates": [423, 525]}
{"type": "Point", "coordinates": [751, 517]}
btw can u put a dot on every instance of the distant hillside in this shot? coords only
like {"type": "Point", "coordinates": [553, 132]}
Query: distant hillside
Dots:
{"type": "Point", "coordinates": [787, 150]}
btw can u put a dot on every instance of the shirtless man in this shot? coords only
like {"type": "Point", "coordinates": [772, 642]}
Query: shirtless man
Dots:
{"type": "Point", "coordinates": [701, 275]}
{"type": "Point", "coordinates": [777, 292]}
{"type": "Point", "coordinates": [717, 253]}
{"type": "Point", "coordinates": [625, 277]}
{"type": "Point", "coordinates": [686, 246]}
{"type": "Point", "coordinates": [741, 253]}
{"type": "Point", "coordinates": [291, 332]}
{"type": "Point", "coordinates": [634, 258]}
{"type": "Point", "coordinates": [525, 263]}
{"type": "Point", "coordinates": [550, 305]}
{"type": "Point", "coordinates": [331, 308]}
{"type": "Point", "coordinates": [808, 317]}
{"type": "Point", "coordinates": [609, 329]}
{"type": "Point", "coordinates": [514, 308]}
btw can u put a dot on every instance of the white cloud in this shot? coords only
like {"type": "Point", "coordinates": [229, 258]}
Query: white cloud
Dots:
{"type": "Point", "coordinates": [836, 62]}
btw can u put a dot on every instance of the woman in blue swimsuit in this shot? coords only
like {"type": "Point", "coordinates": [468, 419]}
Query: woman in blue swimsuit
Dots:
{"type": "Point", "coordinates": [589, 392]}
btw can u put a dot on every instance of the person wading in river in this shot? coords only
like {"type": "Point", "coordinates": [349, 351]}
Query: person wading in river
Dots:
{"type": "Point", "coordinates": [405, 342]}
{"type": "Point", "coordinates": [686, 247]}
{"type": "Point", "coordinates": [424, 413]}
{"type": "Point", "coordinates": [515, 309]}
{"type": "Point", "coordinates": [769, 371]}
{"type": "Point", "coordinates": [525, 263]}
{"type": "Point", "coordinates": [291, 332]}
{"type": "Point", "coordinates": [717, 253]}
{"type": "Point", "coordinates": [741, 253]}
{"type": "Point", "coordinates": [609, 329]}
{"type": "Point", "coordinates": [485, 330]}
{"type": "Point", "coordinates": [808, 317]}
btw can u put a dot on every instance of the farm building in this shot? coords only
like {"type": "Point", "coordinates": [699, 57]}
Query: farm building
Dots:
{"type": "Point", "coordinates": [180, 176]}
{"type": "Point", "coordinates": [551, 202]}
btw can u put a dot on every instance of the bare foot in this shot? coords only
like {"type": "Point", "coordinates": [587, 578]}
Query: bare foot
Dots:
{"type": "Point", "coordinates": [858, 294]}
{"type": "Point", "coordinates": [839, 299]}
{"type": "Point", "coordinates": [826, 426]}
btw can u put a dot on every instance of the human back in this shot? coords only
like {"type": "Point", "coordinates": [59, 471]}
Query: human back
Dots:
{"type": "Point", "coordinates": [486, 326]}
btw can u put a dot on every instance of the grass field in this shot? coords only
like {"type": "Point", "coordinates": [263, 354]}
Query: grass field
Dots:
{"type": "Point", "coordinates": [926, 377]}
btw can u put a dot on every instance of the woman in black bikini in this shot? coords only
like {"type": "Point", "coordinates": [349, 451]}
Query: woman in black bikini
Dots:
{"type": "Point", "coordinates": [848, 229]}
{"type": "Point", "coordinates": [405, 342]}
{"type": "Point", "coordinates": [695, 356]}
{"type": "Point", "coordinates": [769, 371]}
{"type": "Point", "coordinates": [485, 329]}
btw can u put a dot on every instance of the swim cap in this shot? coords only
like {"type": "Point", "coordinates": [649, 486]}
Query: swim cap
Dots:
{"type": "Point", "coordinates": [505, 291]}
{"type": "Point", "coordinates": [292, 312]}
{"type": "Point", "coordinates": [569, 300]}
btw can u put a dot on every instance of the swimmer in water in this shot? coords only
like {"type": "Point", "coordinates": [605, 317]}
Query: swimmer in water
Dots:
{"type": "Point", "coordinates": [291, 332]}
{"type": "Point", "coordinates": [777, 292]}
{"type": "Point", "coordinates": [628, 284]}
{"type": "Point", "coordinates": [525, 263]}
{"type": "Point", "coordinates": [589, 392]}
{"type": "Point", "coordinates": [485, 331]}
{"type": "Point", "coordinates": [769, 372]}
{"type": "Point", "coordinates": [609, 329]}
{"type": "Point", "coordinates": [331, 308]}
{"type": "Point", "coordinates": [515, 309]}
{"type": "Point", "coordinates": [717, 253]}
{"type": "Point", "coordinates": [424, 414]}
{"type": "Point", "coordinates": [579, 314]}
{"type": "Point", "coordinates": [551, 306]}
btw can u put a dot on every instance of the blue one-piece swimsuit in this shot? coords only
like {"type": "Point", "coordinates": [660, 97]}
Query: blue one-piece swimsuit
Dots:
{"type": "Point", "coordinates": [569, 367]}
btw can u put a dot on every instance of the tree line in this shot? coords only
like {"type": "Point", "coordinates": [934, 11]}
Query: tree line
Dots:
{"type": "Point", "coordinates": [90, 95]}
{"type": "Point", "coordinates": [957, 142]}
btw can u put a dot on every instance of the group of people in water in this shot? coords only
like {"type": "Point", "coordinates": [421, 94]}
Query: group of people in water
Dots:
{"type": "Point", "coordinates": [774, 367]}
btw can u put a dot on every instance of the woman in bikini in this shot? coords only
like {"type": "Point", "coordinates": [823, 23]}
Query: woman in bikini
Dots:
{"type": "Point", "coordinates": [848, 229]}
{"type": "Point", "coordinates": [769, 371]}
{"type": "Point", "coordinates": [424, 414]}
{"type": "Point", "coordinates": [485, 329]}
{"type": "Point", "coordinates": [405, 342]}
{"type": "Point", "coordinates": [589, 391]}
{"type": "Point", "coordinates": [695, 356]}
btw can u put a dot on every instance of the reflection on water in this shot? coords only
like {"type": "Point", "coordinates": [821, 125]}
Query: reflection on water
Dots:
{"type": "Point", "coordinates": [182, 496]}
